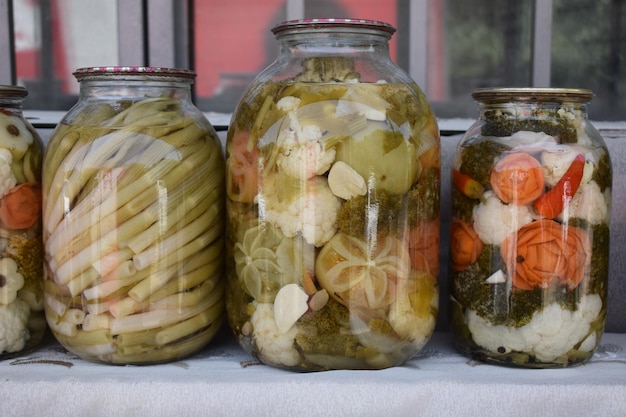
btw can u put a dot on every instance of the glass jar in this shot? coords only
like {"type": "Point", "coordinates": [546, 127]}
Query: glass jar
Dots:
{"type": "Point", "coordinates": [133, 195]}
{"type": "Point", "coordinates": [333, 172]}
{"type": "Point", "coordinates": [529, 256]}
{"type": "Point", "coordinates": [22, 321]}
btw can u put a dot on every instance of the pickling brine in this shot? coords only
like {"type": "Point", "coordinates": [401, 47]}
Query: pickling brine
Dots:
{"type": "Point", "coordinates": [333, 206]}
{"type": "Point", "coordinates": [133, 227]}
{"type": "Point", "coordinates": [531, 200]}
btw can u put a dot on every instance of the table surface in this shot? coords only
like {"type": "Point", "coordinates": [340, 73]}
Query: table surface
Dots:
{"type": "Point", "coordinates": [223, 380]}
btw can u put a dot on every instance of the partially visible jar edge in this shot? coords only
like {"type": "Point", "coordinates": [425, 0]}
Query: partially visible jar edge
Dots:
{"type": "Point", "coordinates": [12, 92]}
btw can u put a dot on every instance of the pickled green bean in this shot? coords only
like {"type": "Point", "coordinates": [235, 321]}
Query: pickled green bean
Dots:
{"type": "Point", "coordinates": [159, 318]}
{"type": "Point", "coordinates": [97, 322]}
{"type": "Point", "coordinates": [182, 236]}
{"type": "Point", "coordinates": [126, 202]}
{"type": "Point", "coordinates": [207, 197]}
{"type": "Point", "coordinates": [193, 278]}
{"type": "Point", "coordinates": [123, 224]}
{"type": "Point", "coordinates": [172, 350]}
{"type": "Point", "coordinates": [189, 326]}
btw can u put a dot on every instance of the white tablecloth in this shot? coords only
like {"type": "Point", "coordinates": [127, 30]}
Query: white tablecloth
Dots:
{"type": "Point", "coordinates": [222, 380]}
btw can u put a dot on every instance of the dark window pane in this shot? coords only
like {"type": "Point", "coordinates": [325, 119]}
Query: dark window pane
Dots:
{"type": "Point", "coordinates": [487, 45]}
{"type": "Point", "coordinates": [589, 51]}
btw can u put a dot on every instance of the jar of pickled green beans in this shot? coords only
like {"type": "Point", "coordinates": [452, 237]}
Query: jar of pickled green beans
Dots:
{"type": "Point", "coordinates": [22, 321]}
{"type": "Point", "coordinates": [133, 199]}
{"type": "Point", "coordinates": [333, 173]}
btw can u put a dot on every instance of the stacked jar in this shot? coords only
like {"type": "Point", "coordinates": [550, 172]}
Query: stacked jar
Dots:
{"type": "Point", "coordinates": [133, 196]}
{"type": "Point", "coordinates": [333, 172]}
{"type": "Point", "coordinates": [530, 230]}
{"type": "Point", "coordinates": [22, 322]}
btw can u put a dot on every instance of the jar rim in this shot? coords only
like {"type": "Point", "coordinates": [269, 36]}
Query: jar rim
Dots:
{"type": "Point", "coordinates": [317, 23]}
{"type": "Point", "coordinates": [531, 94]}
{"type": "Point", "coordinates": [13, 91]}
{"type": "Point", "coordinates": [129, 73]}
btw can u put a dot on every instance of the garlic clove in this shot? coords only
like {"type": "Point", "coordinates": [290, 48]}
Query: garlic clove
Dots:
{"type": "Point", "coordinates": [289, 305]}
{"type": "Point", "coordinates": [319, 300]}
{"type": "Point", "coordinates": [345, 182]}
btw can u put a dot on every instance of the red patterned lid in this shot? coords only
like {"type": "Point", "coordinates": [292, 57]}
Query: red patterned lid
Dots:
{"type": "Point", "coordinates": [132, 73]}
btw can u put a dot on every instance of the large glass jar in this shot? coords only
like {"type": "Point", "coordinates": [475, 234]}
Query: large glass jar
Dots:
{"type": "Point", "coordinates": [22, 321]}
{"type": "Point", "coordinates": [133, 195]}
{"type": "Point", "coordinates": [531, 200]}
{"type": "Point", "coordinates": [333, 171]}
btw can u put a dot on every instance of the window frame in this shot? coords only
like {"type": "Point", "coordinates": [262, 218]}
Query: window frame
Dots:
{"type": "Point", "coordinates": [159, 33]}
{"type": "Point", "coordinates": [149, 35]}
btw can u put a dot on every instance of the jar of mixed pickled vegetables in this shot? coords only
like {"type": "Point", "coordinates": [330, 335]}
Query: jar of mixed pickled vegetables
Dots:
{"type": "Point", "coordinates": [22, 321]}
{"type": "Point", "coordinates": [531, 201]}
{"type": "Point", "coordinates": [133, 204]}
{"type": "Point", "coordinates": [333, 172]}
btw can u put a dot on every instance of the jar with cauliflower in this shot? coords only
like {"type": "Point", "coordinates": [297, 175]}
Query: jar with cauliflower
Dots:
{"type": "Point", "coordinates": [333, 175]}
{"type": "Point", "coordinates": [133, 219]}
{"type": "Point", "coordinates": [529, 246]}
{"type": "Point", "coordinates": [22, 321]}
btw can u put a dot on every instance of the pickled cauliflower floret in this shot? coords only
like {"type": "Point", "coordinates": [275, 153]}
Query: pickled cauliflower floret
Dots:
{"type": "Point", "coordinates": [304, 158]}
{"type": "Point", "coordinates": [555, 164]}
{"type": "Point", "coordinates": [525, 138]}
{"type": "Point", "coordinates": [411, 314]}
{"type": "Point", "coordinates": [589, 203]}
{"type": "Point", "coordinates": [273, 346]}
{"type": "Point", "coordinates": [551, 333]}
{"type": "Point", "coordinates": [494, 220]}
{"type": "Point", "coordinates": [288, 103]}
{"type": "Point", "coordinates": [11, 281]}
{"type": "Point", "coordinates": [309, 208]}
{"type": "Point", "coordinates": [7, 178]}
{"type": "Point", "coordinates": [13, 326]}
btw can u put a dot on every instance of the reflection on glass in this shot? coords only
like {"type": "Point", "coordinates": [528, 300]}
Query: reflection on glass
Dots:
{"type": "Point", "coordinates": [55, 37]}
{"type": "Point", "coordinates": [233, 40]}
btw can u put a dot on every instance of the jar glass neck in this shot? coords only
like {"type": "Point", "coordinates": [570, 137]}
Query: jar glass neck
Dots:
{"type": "Point", "coordinates": [12, 104]}
{"type": "Point", "coordinates": [108, 88]}
{"type": "Point", "coordinates": [334, 43]}
{"type": "Point", "coordinates": [526, 109]}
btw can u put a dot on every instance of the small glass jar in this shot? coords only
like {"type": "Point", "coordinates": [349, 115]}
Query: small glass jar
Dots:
{"type": "Point", "coordinates": [22, 321]}
{"type": "Point", "coordinates": [529, 258]}
{"type": "Point", "coordinates": [133, 196]}
{"type": "Point", "coordinates": [333, 172]}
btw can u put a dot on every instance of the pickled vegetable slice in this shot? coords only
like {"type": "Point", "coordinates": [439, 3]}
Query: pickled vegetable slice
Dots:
{"type": "Point", "coordinates": [362, 274]}
{"type": "Point", "coordinates": [382, 156]}
{"type": "Point", "coordinates": [264, 262]}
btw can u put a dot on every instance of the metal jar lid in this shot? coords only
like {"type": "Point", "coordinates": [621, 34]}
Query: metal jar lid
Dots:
{"type": "Point", "coordinates": [124, 73]}
{"type": "Point", "coordinates": [12, 91]}
{"type": "Point", "coordinates": [530, 94]}
{"type": "Point", "coordinates": [326, 23]}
